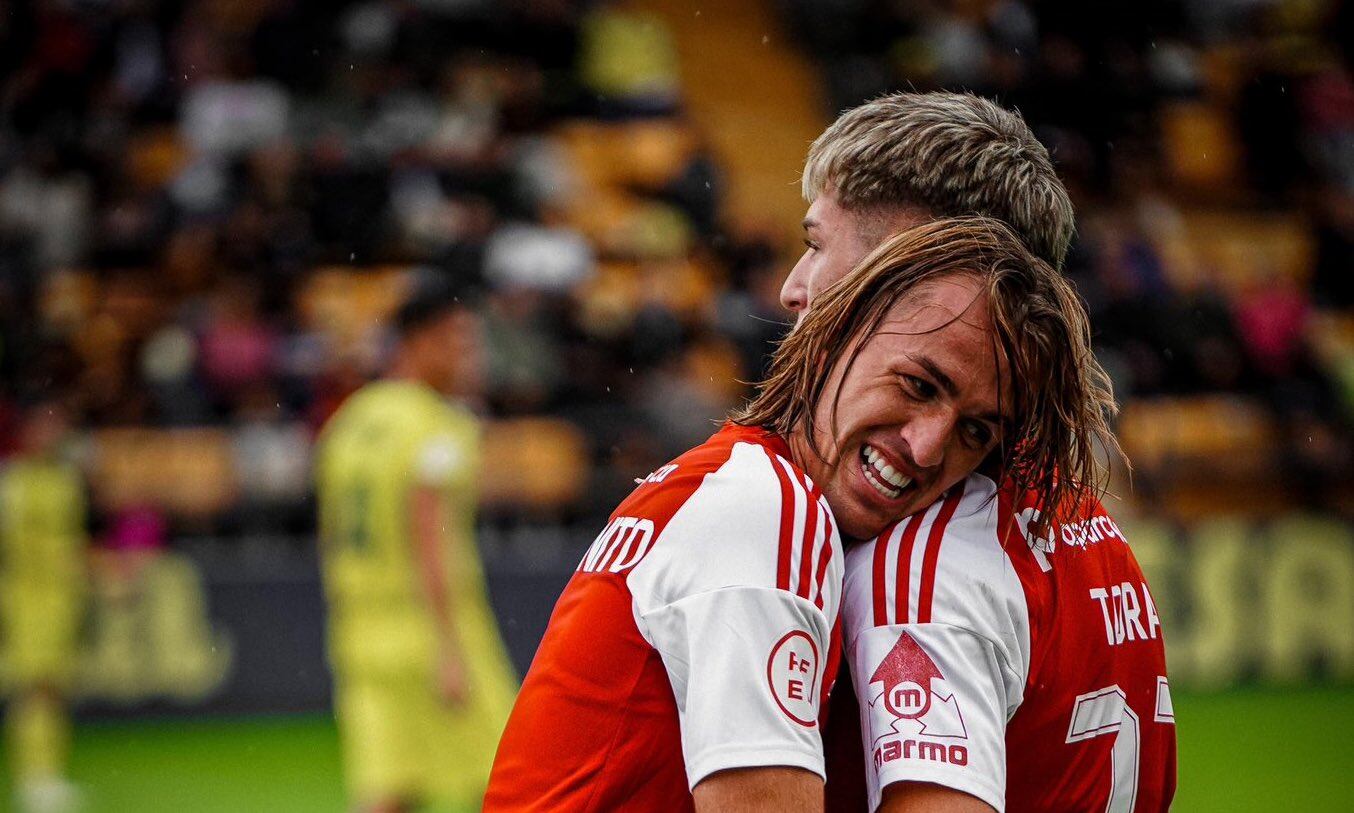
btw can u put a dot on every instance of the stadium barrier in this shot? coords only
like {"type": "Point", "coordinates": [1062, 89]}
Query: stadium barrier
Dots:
{"type": "Point", "coordinates": [240, 628]}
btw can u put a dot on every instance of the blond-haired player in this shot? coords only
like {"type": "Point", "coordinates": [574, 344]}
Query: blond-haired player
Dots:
{"type": "Point", "coordinates": [1015, 603]}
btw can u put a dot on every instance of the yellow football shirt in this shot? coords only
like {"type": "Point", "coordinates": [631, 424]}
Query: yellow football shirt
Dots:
{"type": "Point", "coordinates": [387, 439]}
{"type": "Point", "coordinates": [42, 567]}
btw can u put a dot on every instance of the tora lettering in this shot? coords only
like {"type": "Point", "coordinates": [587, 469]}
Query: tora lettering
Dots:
{"type": "Point", "coordinates": [1123, 613]}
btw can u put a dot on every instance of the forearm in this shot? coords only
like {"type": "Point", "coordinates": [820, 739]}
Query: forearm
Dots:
{"type": "Point", "coordinates": [754, 790]}
{"type": "Point", "coordinates": [432, 540]}
{"type": "Point", "coordinates": [924, 797]}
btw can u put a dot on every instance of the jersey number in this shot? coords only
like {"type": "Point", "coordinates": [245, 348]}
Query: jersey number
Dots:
{"type": "Point", "coordinates": [355, 512]}
{"type": "Point", "coordinates": [1101, 714]}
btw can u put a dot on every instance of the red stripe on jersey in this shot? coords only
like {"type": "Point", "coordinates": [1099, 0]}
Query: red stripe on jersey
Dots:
{"type": "Point", "coordinates": [787, 523]}
{"type": "Point", "coordinates": [834, 658]}
{"type": "Point", "coordinates": [824, 555]}
{"type": "Point", "coordinates": [881, 553]}
{"type": "Point", "coordinates": [811, 511]}
{"type": "Point", "coordinates": [928, 565]}
{"type": "Point", "coordinates": [903, 584]}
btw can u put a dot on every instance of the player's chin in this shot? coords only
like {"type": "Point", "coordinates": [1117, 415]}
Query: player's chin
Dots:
{"type": "Point", "coordinates": [863, 510]}
{"type": "Point", "coordinates": [857, 528]}
{"type": "Point", "coordinates": [860, 520]}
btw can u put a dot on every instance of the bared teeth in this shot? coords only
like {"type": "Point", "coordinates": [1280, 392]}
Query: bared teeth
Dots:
{"type": "Point", "coordinates": [883, 471]}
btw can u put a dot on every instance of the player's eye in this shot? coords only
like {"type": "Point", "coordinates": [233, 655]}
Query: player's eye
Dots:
{"type": "Point", "coordinates": [810, 245]}
{"type": "Point", "coordinates": [977, 434]}
{"type": "Point", "coordinates": [920, 388]}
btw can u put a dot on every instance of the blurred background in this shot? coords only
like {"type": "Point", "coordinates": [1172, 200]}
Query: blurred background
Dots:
{"type": "Point", "coordinates": [208, 211]}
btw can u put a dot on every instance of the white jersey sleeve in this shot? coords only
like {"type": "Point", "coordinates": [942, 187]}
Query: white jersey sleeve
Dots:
{"type": "Point", "coordinates": [440, 459]}
{"type": "Point", "coordinates": [938, 638]}
{"type": "Point", "coordinates": [739, 596]}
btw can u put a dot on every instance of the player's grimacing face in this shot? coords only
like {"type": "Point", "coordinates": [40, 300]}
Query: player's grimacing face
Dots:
{"type": "Point", "coordinates": [915, 413]}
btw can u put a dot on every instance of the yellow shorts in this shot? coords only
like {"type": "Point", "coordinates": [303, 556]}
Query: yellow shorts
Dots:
{"type": "Point", "coordinates": [40, 634]}
{"type": "Point", "coordinates": [401, 742]}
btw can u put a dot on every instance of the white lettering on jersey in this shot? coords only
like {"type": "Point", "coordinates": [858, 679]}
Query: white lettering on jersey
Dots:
{"type": "Point", "coordinates": [658, 475]}
{"type": "Point", "coordinates": [1122, 613]}
{"type": "Point", "coordinates": [1165, 711]}
{"type": "Point", "coordinates": [1074, 534]}
{"type": "Point", "coordinates": [620, 545]}
{"type": "Point", "coordinates": [1103, 713]}
{"type": "Point", "coordinates": [1040, 546]}
{"type": "Point", "coordinates": [1090, 531]}
{"type": "Point", "coordinates": [1153, 620]}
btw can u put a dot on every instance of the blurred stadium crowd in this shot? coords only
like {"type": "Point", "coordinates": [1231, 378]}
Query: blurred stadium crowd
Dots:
{"type": "Point", "coordinates": [207, 211]}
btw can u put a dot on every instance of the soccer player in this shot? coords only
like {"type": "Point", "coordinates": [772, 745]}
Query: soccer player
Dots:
{"type": "Point", "coordinates": [1004, 640]}
{"type": "Point", "coordinates": [422, 682]}
{"type": "Point", "coordinates": [42, 585]}
{"type": "Point", "coordinates": [686, 661]}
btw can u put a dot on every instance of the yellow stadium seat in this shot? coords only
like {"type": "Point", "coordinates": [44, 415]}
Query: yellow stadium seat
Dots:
{"type": "Point", "coordinates": [558, 470]}
{"type": "Point", "coordinates": [187, 472]}
{"type": "Point", "coordinates": [1201, 149]}
{"type": "Point", "coordinates": [655, 150]}
{"type": "Point", "coordinates": [68, 299]}
{"type": "Point", "coordinates": [1243, 249]}
{"type": "Point", "coordinates": [1205, 454]}
{"type": "Point", "coordinates": [609, 300]}
{"type": "Point", "coordinates": [350, 305]}
{"type": "Point", "coordinates": [155, 156]}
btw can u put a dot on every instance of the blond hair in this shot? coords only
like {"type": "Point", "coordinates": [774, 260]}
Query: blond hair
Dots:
{"type": "Point", "coordinates": [953, 154]}
{"type": "Point", "coordinates": [1062, 398]}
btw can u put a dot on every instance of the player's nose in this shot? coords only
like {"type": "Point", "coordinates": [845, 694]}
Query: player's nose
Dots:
{"type": "Point", "coordinates": [794, 294]}
{"type": "Point", "coordinates": [926, 437]}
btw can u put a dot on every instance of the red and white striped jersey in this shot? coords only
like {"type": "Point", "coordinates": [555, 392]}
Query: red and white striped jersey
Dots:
{"type": "Point", "coordinates": [697, 634]}
{"type": "Point", "coordinates": [1029, 673]}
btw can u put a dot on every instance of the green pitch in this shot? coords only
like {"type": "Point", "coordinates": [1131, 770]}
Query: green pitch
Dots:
{"type": "Point", "coordinates": [1259, 750]}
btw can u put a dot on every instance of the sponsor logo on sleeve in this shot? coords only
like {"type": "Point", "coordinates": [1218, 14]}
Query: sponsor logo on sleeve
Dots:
{"type": "Point", "coordinates": [913, 711]}
{"type": "Point", "coordinates": [792, 674]}
{"type": "Point", "coordinates": [619, 547]}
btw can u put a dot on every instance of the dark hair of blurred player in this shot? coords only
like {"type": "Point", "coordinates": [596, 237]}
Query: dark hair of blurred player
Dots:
{"type": "Point", "coordinates": [439, 342]}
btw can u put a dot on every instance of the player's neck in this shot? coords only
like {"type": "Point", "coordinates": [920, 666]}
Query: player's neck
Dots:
{"type": "Point", "coordinates": [405, 368]}
{"type": "Point", "coordinates": [801, 451]}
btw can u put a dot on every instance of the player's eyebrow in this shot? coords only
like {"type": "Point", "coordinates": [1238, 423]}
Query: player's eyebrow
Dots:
{"type": "Point", "coordinates": [942, 380]}
{"type": "Point", "coordinates": [809, 224]}
{"type": "Point", "coordinates": [947, 384]}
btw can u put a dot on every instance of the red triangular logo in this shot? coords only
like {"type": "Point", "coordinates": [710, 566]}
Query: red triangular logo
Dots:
{"type": "Point", "coordinates": [906, 666]}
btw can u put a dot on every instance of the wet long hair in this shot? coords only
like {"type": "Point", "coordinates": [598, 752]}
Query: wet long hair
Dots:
{"type": "Point", "coordinates": [1062, 398]}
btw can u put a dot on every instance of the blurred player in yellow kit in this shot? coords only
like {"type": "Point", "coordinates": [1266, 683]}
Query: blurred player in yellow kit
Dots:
{"type": "Point", "coordinates": [423, 684]}
{"type": "Point", "coordinates": [42, 588]}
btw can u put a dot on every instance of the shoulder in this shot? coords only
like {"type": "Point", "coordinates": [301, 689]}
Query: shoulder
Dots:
{"type": "Point", "coordinates": [736, 512]}
{"type": "Point", "coordinates": [953, 563]}
{"type": "Point", "coordinates": [363, 401]}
